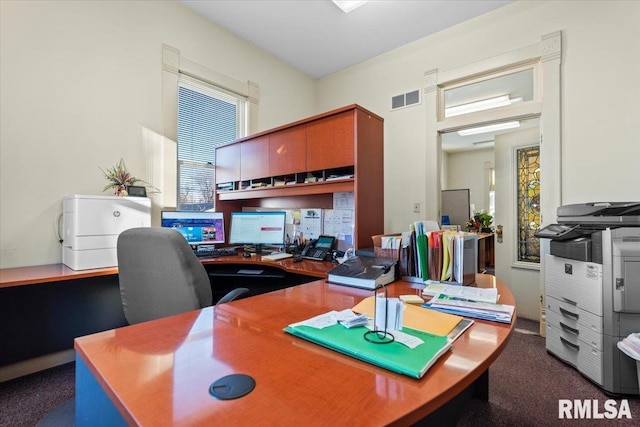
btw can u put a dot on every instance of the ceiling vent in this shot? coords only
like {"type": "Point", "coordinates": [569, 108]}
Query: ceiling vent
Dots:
{"type": "Point", "coordinates": [405, 100]}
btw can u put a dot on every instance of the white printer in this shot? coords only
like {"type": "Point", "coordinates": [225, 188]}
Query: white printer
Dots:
{"type": "Point", "coordinates": [91, 226]}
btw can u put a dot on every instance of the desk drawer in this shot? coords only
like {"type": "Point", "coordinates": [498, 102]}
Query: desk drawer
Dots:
{"type": "Point", "coordinates": [575, 281]}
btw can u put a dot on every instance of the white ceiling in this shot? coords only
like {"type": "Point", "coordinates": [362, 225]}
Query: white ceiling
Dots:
{"type": "Point", "coordinates": [316, 37]}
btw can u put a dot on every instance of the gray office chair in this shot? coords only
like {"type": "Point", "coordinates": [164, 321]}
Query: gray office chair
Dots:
{"type": "Point", "coordinates": [160, 275]}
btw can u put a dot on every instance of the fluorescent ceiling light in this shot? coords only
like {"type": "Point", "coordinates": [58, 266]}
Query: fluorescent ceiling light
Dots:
{"type": "Point", "coordinates": [348, 5]}
{"type": "Point", "coordinates": [489, 128]}
{"type": "Point", "coordinates": [485, 104]}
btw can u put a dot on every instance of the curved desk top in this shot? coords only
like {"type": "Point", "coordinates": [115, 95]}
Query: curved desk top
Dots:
{"type": "Point", "coordinates": [20, 276]}
{"type": "Point", "coordinates": [159, 372]}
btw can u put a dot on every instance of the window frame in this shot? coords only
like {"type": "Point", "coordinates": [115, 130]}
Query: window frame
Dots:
{"type": "Point", "coordinates": [240, 102]}
{"type": "Point", "coordinates": [162, 150]}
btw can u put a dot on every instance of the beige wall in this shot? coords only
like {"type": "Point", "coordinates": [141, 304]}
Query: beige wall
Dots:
{"type": "Point", "coordinates": [466, 169]}
{"type": "Point", "coordinates": [81, 88]}
{"type": "Point", "coordinates": [80, 83]}
{"type": "Point", "coordinates": [600, 97]}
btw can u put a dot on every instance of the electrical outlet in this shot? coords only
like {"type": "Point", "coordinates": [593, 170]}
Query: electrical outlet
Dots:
{"type": "Point", "coordinates": [416, 207]}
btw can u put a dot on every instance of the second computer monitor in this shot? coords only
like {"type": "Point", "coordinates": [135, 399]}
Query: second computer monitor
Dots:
{"type": "Point", "coordinates": [257, 228]}
{"type": "Point", "coordinates": [199, 228]}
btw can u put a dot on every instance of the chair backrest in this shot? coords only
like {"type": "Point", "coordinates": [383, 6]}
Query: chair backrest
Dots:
{"type": "Point", "coordinates": [159, 274]}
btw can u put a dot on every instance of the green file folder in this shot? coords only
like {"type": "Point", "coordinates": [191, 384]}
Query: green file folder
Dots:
{"type": "Point", "coordinates": [394, 356]}
{"type": "Point", "coordinates": [423, 256]}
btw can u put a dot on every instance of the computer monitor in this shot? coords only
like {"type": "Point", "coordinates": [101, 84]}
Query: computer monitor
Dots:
{"type": "Point", "coordinates": [257, 228]}
{"type": "Point", "coordinates": [199, 228]}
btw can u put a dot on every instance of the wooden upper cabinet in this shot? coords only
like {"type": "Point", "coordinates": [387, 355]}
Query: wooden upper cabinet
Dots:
{"type": "Point", "coordinates": [349, 137]}
{"type": "Point", "coordinates": [254, 158]}
{"type": "Point", "coordinates": [287, 151]}
{"type": "Point", "coordinates": [228, 163]}
{"type": "Point", "coordinates": [330, 142]}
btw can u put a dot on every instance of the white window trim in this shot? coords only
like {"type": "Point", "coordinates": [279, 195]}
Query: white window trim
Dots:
{"type": "Point", "coordinates": [165, 154]}
{"type": "Point", "coordinates": [549, 54]}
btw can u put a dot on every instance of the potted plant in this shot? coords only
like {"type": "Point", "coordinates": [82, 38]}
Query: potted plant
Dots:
{"type": "Point", "coordinates": [119, 179]}
{"type": "Point", "coordinates": [484, 220]}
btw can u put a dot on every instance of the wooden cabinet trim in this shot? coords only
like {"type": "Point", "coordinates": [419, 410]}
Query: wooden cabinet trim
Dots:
{"type": "Point", "coordinates": [308, 120]}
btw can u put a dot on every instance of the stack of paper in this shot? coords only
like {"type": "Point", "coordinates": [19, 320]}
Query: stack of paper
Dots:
{"type": "Point", "coordinates": [476, 309]}
{"type": "Point", "coordinates": [389, 313]}
{"type": "Point", "coordinates": [462, 292]}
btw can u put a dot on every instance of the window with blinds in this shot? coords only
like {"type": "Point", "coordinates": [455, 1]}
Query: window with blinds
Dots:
{"type": "Point", "coordinates": [207, 118]}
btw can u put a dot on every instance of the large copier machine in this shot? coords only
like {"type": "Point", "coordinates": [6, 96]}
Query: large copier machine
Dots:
{"type": "Point", "coordinates": [592, 290]}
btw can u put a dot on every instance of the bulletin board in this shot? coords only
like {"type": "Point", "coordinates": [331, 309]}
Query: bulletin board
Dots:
{"type": "Point", "coordinates": [456, 204]}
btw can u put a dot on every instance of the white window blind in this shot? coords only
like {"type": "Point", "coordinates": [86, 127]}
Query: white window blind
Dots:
{"type": "Point", "coordinates": [207, 118]}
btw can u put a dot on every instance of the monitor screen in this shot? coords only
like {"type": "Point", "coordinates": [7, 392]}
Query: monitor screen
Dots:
{"type": "Point", "coordinates": [257, 228]}
{"type": "Point", "coordinates": [199, 228]}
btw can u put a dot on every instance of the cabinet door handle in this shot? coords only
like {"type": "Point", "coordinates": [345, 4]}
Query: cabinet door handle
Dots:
{"type": "Point", "coordinates": [569, 329]}
{"type": "Point", "coordinates": [570, 301]}
{"type": "Point", "coordinates": [569, 314]}
{"type": "Point", "coordinates": [570, 344]}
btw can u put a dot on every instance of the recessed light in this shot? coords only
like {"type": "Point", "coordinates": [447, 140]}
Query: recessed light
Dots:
{"type": "Point", "coordinates": [489, 128]}
{"type": "Point", "coordinates": [348, 5]}
{"type": "Point", "coordinates": [485, 104]}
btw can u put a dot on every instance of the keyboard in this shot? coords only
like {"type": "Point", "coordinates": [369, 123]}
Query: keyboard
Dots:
{"type": "Point", "coordinates": [276, 256]}
{"type": "Point", "coordinates": [205, 252]}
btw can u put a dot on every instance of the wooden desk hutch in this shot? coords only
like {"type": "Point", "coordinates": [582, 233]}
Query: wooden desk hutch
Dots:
{"type": "Point", "coordinates": [301, 165]}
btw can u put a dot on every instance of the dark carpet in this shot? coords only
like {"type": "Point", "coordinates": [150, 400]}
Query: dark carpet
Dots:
{"type": "Point", "coordinates": [525, 385]}
{"type": "Point", "coordinates": [25, 401]}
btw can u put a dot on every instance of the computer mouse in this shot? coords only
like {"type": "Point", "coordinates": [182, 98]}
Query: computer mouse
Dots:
{"type": "Point", "coordinates": [297, 258]}
{"type": "Point", "coordinates": [246, 254]}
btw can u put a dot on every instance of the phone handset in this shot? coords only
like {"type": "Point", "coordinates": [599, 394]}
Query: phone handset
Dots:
{"type": "Point", "coordinates": [311, 244]}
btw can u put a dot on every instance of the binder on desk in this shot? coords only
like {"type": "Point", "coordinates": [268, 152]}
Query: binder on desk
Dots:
{"type": "Point", "coordinates": [394, 356]}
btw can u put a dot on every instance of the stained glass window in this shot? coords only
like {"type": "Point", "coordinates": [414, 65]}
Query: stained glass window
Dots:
{"type": "Point", "coordinates": [528, 161]}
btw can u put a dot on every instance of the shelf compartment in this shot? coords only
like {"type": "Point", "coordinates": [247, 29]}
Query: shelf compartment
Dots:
{"type": "Point", "coordinates": [290, 190]}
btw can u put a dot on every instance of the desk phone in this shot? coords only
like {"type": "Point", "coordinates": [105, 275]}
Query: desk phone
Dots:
{"type": "Point", "coordinates": [318, 249]}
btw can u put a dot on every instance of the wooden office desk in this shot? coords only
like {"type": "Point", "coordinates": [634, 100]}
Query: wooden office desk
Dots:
{"type": "Point", "coordinates": [485, 251]}
{"type": "Point", "coordinates": [158, 373]}
{"type": "Point", "coordinates": [51, 273]}
{"type": "Point", "coordinates": [43, 308]}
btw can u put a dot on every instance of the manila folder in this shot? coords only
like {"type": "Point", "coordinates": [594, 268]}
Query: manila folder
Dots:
{"type": "Point", "coordinates": [416, 317]}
